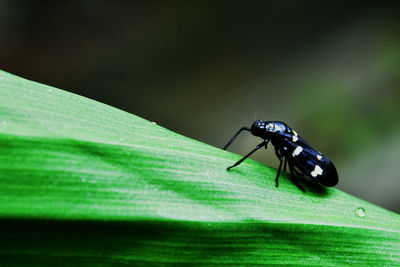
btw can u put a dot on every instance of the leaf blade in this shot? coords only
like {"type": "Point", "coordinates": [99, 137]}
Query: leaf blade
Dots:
{"type": "Point", "coordinates": [69, 159]}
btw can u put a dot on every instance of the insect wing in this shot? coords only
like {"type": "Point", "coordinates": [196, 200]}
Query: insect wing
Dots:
{"type": "Point", "coordinates": [309, 161]}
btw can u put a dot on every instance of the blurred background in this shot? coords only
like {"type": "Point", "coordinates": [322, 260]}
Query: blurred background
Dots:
{"type": "Point", "coordinates": [329, 69]}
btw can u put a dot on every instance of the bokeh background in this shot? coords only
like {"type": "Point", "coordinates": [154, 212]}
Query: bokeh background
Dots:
{"type": "Point", "coordinates": [330, 69]}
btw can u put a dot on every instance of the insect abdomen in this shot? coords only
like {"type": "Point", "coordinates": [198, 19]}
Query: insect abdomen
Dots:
{"type": "Point", "coordinates": [310, 162]}
{"type": "Point", "coordinates": [323, 173]}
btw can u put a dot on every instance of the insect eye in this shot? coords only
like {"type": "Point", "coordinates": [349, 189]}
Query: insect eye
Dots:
{"type": "Point", "coordinates": [270, 127]}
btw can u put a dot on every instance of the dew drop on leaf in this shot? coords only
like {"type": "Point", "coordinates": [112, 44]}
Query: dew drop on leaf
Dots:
{"type": "Point", "coordinates": [361, 212]}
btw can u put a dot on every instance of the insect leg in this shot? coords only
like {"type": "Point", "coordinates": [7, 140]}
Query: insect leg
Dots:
{"type": "Point", "coordinates": [284, 165]}
{"type": "Point", "coordinates": [234, 137]}
{"type": "Point", "coordinates": [293, 177]}
{"type": "Point", "coordinates": [296, 172]}
{"type": "Point", "coordinates": [280, 157]}
{"type": "Point", "coordinates": [264, 143]}
{"type": "Point", "coordinates": [279, 172]}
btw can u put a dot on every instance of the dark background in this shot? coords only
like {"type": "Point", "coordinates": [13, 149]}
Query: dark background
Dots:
{"type": "Point", "coordinates": [330, 69]}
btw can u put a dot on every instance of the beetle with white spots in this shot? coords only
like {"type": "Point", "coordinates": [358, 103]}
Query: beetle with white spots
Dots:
{"type": "Point", "coordinates": [292, 150]}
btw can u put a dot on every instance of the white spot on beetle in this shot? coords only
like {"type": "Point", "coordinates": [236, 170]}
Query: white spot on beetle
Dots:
{"type": "Point", "coordinates": [319, 157]}
{"type": "Point", "coordinates": [295, 138]}
{"type": "Point", "coordinates": [317, 171]}
{"type": "Point", "coordinates": [297, 151]}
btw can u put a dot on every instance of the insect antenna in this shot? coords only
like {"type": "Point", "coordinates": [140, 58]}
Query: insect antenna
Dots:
{"type": "Point", "coordinates": [234, 137]}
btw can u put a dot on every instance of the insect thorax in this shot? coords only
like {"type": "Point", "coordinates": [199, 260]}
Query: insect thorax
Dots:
{"type": "Point", "coordinates": [268, 129]}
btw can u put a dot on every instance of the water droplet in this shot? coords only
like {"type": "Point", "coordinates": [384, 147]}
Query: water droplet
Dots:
{"type": "Point", "coordinates": [361, 212]}
{"type": "Point", "coordinates": [121, 139]}
{"type": "Point", "coordinates": [50, 90]}
{"type": "Point", "coordinates": [153, 122]}
{"type": "Point", "coordinates": [4, 122]}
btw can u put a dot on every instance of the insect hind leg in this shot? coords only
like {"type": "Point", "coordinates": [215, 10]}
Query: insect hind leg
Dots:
{"type": "Point", "coordinates": [284, 164]}
{"type": "Point", "coordinates": [279, 171]}
{"type": "Point", "coordinates": [293, 177]}
{"type": "Point", "coordinates": [297, 173]}
{"type": "Point", "coordinates": [281, 158]}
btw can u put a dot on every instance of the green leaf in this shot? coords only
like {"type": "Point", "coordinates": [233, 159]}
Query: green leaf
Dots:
{"type": "Point", "coordinates": [84, 183]}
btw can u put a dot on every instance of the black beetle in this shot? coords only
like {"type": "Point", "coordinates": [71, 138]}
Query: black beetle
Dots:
{"type": "Point", "coordinates": [291, 148]}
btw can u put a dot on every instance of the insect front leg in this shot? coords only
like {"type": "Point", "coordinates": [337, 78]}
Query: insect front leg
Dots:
{"type": "Point", "coordinates": [264, 143]}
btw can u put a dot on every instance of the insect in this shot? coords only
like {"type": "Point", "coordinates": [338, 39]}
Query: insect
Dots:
{"type": "Point", "coordinates": [291, 149]}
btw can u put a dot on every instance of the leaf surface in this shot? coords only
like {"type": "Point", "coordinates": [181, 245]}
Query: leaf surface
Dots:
{"type": "Point", "coordinates": [83, 182]}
